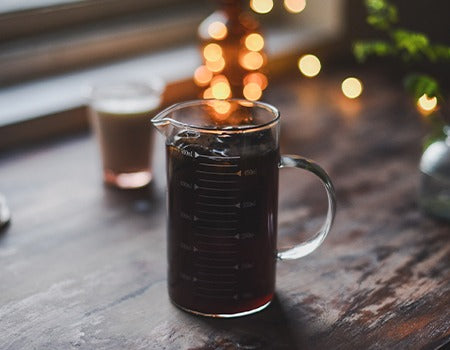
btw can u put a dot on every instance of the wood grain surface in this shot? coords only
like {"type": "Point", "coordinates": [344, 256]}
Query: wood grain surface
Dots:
{"type": "Point", "coordinates": [83, 266]}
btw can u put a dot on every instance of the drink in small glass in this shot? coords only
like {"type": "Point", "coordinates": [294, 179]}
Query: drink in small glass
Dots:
{"type": "Point", "coordinates": [119, 115]}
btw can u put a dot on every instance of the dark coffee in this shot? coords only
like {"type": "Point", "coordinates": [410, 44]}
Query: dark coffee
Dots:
{"type": "Point", "coordinates": [222, 226]}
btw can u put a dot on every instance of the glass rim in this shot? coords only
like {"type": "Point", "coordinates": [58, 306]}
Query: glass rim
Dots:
{"type": "Point", "coordinates": [162, 118]}
{"type": "Point", "coordinates": [107, 88]}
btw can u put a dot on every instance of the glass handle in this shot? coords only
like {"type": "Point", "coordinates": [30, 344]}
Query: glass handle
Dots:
{"type": "Point", "coordinates": [305, 248]}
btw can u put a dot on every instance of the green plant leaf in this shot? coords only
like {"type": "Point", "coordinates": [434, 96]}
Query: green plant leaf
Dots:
{"type": "Point", "coordinates": [381, 14]}
{"type": "Point", "coordinates": [438, 52]}
{"type": "Point", "coordinates": [419, 84]}
{"type": "Point", "coordinates": [412, 45]}
{"type": "Point", "coordinates": [363, 49]}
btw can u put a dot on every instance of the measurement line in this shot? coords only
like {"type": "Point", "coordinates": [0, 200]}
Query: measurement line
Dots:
{"type": "Point", "coordinates": [229, 260]}
{"type": "Point", "coordinates": [215, 236]}
{"type": "Point", "coordinates": [216, 189]}
{"type": "Point", "coordinates": [217, 228]}
{"type": "Point", "coordinates": [216, 197]}
{"type": "Point", "coordinates": [218, 244]}
{"type": "Point", "coordinates": [216, 274]}
{"type": "Point", "coordinates": [219, 165]}
{"type": "Point", "coordinates": [217, 267]}
{"type": "Point", "coordinates": [216, 282]}
{"type": "Point", "coordinates": [217, 205]}
{"type": "Point", "coordinates": [218, 221]}
{"type": "Point", "coordinates": [230, 252]}
{"type": "Point", "coordinates": [219, 181]}
{"type": "Point", "coordinates": [214, 173]}
{"type": "Point", "coordinates": [215, 212]}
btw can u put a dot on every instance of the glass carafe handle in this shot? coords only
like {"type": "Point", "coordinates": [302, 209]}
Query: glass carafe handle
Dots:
{"type": "Point", "coordinates": [305, 248]}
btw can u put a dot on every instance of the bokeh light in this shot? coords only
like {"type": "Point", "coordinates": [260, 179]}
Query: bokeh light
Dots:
{"type": "Point", "coordinates": [212, 52]}
{"type": "Point", "coordinates": [221, 90]}
{"type": "Point", "coordinates": [208, 93]}
{"type": "Point", "coordinates": [222, 108]}
{"type": "Point", "coordinates": [216, 66]}
{"type": "Point", "coordinates": [352, 87]}
{"type": "Point", "coordinates": [217, 30]}
{"type": "Point", "coordinates": [252, 91]}
{"type": "Point", "coordinates": [220, 87]}
{"type": "Point", "coordinates": [251, 60]}
{"type": "Point", "coordinates": [261, 6]}
{"type": "Point", "coordinates": [294, 6]}
{"type": "Point", "coordinates": [258, 78]}
{"type": "Point", "coordinates": [202, 76]}
{"type": "Point", "coordinates": [309, 65]}
{"type": "Point", "coordinates": [254, 42]}
{"type": "Point", "coordinates": [426, 103]}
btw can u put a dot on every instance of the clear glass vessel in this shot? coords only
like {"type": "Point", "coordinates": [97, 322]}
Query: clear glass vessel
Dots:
{"type": "Point", "coordinates": [434, 196]}
{"type": "Point", "coordinates": [222, 176]}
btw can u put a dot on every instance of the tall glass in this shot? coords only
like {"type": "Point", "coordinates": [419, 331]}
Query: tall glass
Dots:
{"type": "Point", "coordinates": [222, 170]}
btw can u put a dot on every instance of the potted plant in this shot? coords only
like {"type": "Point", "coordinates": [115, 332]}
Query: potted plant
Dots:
{"type": "Point", "coordinates": [413, 49]}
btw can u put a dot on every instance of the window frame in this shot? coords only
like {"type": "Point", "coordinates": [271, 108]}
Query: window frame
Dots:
{"type": "Point", "coordinates": [91, 36]}
{"type": "Point", "coordinates": [44, 19]}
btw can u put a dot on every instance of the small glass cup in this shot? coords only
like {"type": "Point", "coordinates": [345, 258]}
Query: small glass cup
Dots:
{"type": "Point", "coordinates": [119, 114]}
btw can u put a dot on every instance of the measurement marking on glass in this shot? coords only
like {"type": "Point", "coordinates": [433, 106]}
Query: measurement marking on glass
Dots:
{"type": "Point", "coordinates": [229, 260]}
{"type": "Point", "coordinates": [238, 173]}
{"type": "Point", "coordinates": [215, 212]}
{"type": "Point", "coordinates": [216, 197]}
{"type": "Point", "coordinates": [217, 228]}
{"type": "Point", "coordinates": [216, 282]}
{"type": "Point", "coordinates": [219, 165]}
{"type": "Point", "coordinates": [245, 235]}
{"type": "Point", "coordinates": [209, 220]}
{"type": "Point", "coordinates": [217, 244]}
{"type": "Point", "coordinates": [217, 205]}
{"type": "Point", "coordinates": [216, 236]}
{"type": "Point", "coordinates": [234, 267]}
{"type": "Point", "coordinates": [214, 251]}
{"type": "Point", "coordinates": [219, 181]}
{"type": "Point", "coordinates": [216, 274]}
{"type": "Point", "coordinates": [215, 189]}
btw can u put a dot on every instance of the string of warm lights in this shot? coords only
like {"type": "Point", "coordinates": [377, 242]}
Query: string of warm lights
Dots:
{"type": "Point", "coordinates": [221, 77]}
{"type": "Point", "coordinates": [232, 49]}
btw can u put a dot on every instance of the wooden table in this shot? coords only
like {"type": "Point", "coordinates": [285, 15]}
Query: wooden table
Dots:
{"type": "Point", "coordinates": [83, 266]}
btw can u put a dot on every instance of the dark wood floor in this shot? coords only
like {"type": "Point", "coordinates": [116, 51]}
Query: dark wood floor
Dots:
{"type": "Point", "coordinates": [84, 266]}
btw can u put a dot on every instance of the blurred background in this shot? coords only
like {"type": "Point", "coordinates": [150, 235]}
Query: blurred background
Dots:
{"type": "Point", "coordinates": [362, 87]}
{"type": "Point", "coordinates": [51, 51]}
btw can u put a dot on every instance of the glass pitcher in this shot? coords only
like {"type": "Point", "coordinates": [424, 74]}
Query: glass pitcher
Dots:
{"type": "Point", "coordinates": [222, 176]}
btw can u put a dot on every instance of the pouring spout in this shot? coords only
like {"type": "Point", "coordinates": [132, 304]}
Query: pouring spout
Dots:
{"type": "Point", "coordinates": [161, 122]}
